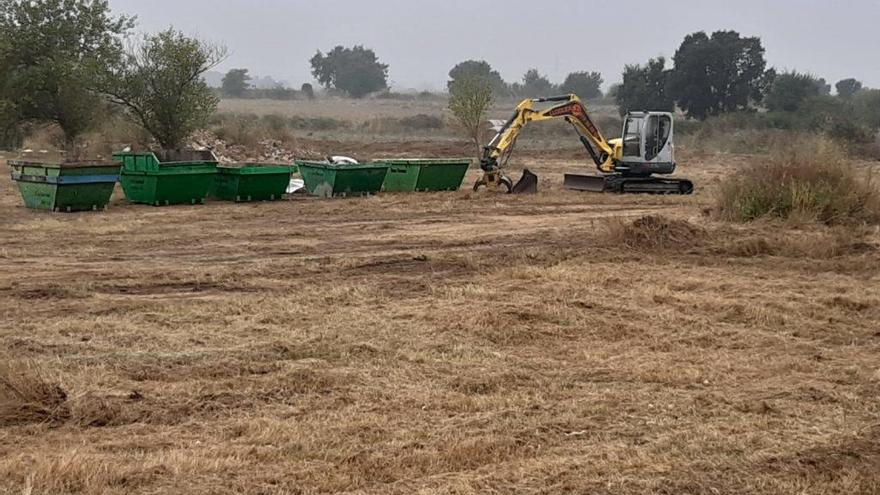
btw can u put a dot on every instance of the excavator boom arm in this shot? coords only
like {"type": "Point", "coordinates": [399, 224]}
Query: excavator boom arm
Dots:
{"type": "Point", "coordinates": [572, 110]}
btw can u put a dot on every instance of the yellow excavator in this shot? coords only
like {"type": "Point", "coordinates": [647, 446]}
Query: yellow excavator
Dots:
{"type": "Point", "coordinates": [626, 165]}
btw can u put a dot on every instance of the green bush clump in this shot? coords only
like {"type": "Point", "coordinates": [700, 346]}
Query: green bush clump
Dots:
{"type": "Point", "coordinates": [808, 178]}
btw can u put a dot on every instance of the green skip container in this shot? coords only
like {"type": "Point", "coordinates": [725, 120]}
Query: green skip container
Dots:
{"type": "Point", "coordinates": [333, 180]}
{"type": "Point", "coordinates": [425, 174]}
{"type": "Point", "coordinates": [65, 187]}
{"type": "Point", "coordinates": [167, 178]}
{"type": "Point", "coordinates": [251, 181]}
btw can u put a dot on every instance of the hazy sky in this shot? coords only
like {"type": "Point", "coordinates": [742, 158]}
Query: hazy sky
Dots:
{"type": "Point", "coordinates": [422, 40]}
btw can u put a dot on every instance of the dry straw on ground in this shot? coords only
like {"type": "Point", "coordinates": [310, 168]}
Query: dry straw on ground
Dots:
{"type": "Point", "coordinates": [438, 343]}
{"type": "Point", "coordinates": [29, 395]}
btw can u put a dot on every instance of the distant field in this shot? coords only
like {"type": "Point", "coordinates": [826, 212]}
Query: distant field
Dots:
{"type": "Point", "coordinates": [371, 120]}
{"type": "Point", "coordinates": [366, 109]}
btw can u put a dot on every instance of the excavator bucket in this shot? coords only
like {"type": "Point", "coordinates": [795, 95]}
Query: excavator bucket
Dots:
{"type": "Point", "coordinates": [528, 184]}
{"type": "Point", "coordinates": [589, 183]}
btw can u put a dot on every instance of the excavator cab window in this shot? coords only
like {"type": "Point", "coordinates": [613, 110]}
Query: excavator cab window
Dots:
{"type": "Point", "coordinates": [632, 137]}
{"type": "Point", "coordinates": [657, 131]}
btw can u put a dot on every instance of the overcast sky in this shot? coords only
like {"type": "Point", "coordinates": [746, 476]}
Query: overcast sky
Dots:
{"type": "Point", "coordinates": [421, 40]}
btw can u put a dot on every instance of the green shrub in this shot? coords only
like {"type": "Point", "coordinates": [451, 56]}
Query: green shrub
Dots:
{"type": "Point", "coordinates": [791, 89]}
{"type": "Point", "coordinates": [835, 117]}
{"type": "Point", "coordinates": [736, 132]}
{"type": "Point", "coordinates": [755, 132]}
{"type": "Point", "coordinates": [806, 178]}
{"type": "Point", "coordinates": [867, 105]}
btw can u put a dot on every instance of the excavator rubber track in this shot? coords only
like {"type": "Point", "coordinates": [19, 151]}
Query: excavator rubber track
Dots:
{"type": "Point", "coordinates": [628, 185]}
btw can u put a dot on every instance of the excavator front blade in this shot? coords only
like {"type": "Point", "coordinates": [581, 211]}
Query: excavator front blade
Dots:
{"type": "Point", "coordinates": [589, 183]}
{"type": "Point", "coordinates": [528, 184]}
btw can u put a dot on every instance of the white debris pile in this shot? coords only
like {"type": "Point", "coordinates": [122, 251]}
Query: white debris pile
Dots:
{"type": "Point", "coordinates": [267, 150]}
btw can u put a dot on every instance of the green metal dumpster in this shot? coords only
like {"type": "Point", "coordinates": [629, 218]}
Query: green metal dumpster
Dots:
{"type": "Point", "coordinates": [167, 178]}
{"type": "Point", "coordinates": [329, 180]}
{"type": "Point", "coordinates": [251, 181]}
{"type": "Point", "coordinates": [66, 186]}
{"type": "Point", "coordinates": [425, 174]}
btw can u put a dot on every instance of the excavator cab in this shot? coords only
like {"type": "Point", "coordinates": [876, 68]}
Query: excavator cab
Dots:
{"type": "Point", "coordinates": [647, 144]}
{"type": "Point", "coordinates": [645, 150]}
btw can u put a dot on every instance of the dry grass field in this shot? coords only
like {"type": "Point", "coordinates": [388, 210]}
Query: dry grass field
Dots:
{"type": "Point", "coordinates": [367, 109]}
{"type": "Point", "coordinates": [336, 108]}
{"type": "Point", "coordinates": [438, 343]}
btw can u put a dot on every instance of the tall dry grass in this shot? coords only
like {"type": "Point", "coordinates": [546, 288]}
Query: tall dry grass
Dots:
{"type": "Point", "coordinates": [805, 178]}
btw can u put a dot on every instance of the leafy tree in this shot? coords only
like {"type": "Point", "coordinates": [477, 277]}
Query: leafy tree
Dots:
{"type": "Point", "coordinates": [50, 53]}
{"type": "Point", "coordinates": [644, 88]}
{"type": "Point", "coordinates": [867, 107]}
{"type": "Point", "coordinates": [718, 74]}
{"type": "Point", "coordinates": [10, 116]}
{"type": "Point", "coordinates": [11, 133]}
{"type": "Point", "coordinates": [235, 83]}
{"type": "Point", "coordinates": [479, 69]}
{"type": "Point", "coordinates": [308, 91]}
{"type": "Point", "coordinates": [160, 85]}
{"type": "Point", "coordinates": [356, 70]}
{"type": "Point", "coordinates": [833, 117]}
{"type": "Point", "coordinates": [469, 100]}
{"type": "Point", "coordinates": [534, 85]}
{"type": "Point", "coordinates": [847, 88]}
{"type": "Point", "coordinates": [790, 89]}
{"type": "Point", "coordinates": [587, 85]}
{"type": "Point", "coordinates": [613, 91]}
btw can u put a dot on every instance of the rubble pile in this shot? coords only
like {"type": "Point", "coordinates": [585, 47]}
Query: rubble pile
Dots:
{"type": "Point", "coordinates": [267, 150]}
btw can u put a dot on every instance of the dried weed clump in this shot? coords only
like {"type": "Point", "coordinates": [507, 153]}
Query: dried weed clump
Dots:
{"type": "Point", "coordinates": [807, 178]}
{"type": "Point", "coordinates": [655, 232]}
{"type": "Point", "coordinates": [29, 395]}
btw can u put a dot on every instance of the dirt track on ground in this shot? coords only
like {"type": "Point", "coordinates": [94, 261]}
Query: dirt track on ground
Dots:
{"type": "Point", "coordinates": [440, 343]}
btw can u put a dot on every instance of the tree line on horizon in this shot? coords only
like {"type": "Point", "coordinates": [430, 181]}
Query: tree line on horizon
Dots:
{"type": "Point", "coordinates": [715, 74]}
{"type": "Point", "coordinates": [356, 72]}
{"type": "Point", "coordinates": [710, 75]}
{"type": "Point", "coordinates": [74, 64]}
